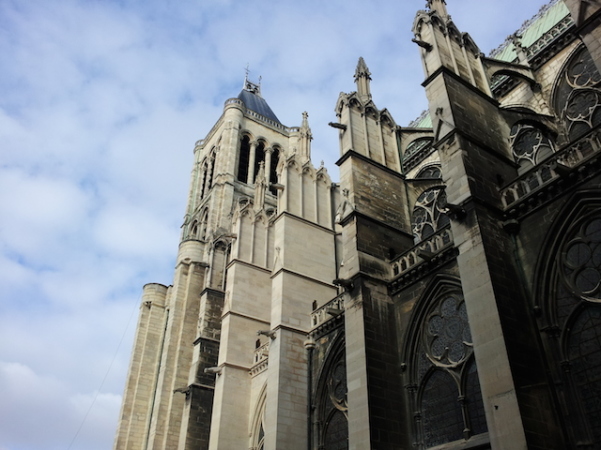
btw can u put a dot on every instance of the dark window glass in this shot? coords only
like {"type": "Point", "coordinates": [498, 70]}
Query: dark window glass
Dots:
{"type": "Point", "coordinates": [441, 411]}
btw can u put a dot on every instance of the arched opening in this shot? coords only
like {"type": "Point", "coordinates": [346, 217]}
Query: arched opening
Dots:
{"type": "Point", "coordinates": [243, 159]}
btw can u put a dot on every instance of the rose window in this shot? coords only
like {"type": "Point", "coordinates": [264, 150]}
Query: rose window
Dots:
{"type": "Point", "coordinates": [448, 334]}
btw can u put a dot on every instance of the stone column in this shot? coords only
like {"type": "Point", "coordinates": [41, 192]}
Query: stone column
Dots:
{"type": "Point", "coordinates": [268, 152]}
{"type": "Point", "coordinates": [251, 163]}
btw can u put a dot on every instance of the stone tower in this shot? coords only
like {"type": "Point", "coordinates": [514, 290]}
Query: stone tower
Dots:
{"type": "Point", "coordinates": [242, 293]}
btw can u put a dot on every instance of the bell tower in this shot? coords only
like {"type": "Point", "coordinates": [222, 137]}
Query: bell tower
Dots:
{"type": "Point", "coordinates": [199, 366]}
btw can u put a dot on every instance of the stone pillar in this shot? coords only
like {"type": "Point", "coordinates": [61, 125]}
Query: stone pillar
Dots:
{"type": "Point", "coordinates": [268, 152]}
{"type": "Point", "coordinates": [251, 163]}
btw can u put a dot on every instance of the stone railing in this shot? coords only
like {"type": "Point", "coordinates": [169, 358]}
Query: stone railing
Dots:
{"type": "Point", "coordinates": [328, 311]}
{"type": "Point", "coordinates": [261, 353]}
{"type": "Point", "coordinates": [260, 360]}
{"type": "Point", "coordinates": [424, 250]}
{"type": "Point", "coordinates": [551, 169]}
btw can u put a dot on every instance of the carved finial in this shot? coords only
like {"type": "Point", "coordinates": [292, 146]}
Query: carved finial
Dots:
{"type": "Point", "coordinates": [362, 78]}
{"type": "Point", "coordinates": [306, 137]}
{"type": "Point", "coordinates": [520, 50]}
{"type": "Point", "coordinates": [305, 117]}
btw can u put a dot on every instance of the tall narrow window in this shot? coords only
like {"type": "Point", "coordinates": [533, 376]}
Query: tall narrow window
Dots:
{"type": "Point", "coordinates": [243, 159]}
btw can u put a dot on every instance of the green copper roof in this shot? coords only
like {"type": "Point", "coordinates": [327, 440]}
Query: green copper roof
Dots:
{"type": "Point", "coordinates": [424, 122]}
{"type": "Point", "coordinates": [534, 29]}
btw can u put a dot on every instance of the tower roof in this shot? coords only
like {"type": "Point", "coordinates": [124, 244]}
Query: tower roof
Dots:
{"type": "Point", "coordinates": [256, 103]}
{"type": "Point", "coordinates": [251, 97]}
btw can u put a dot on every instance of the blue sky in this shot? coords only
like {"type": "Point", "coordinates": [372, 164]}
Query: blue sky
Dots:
{"type": "Point", "coordinates": [101, 104]}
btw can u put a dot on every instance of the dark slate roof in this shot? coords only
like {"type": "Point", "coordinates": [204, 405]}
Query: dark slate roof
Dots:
{"type": "Point", "coordinates": [257, 104]}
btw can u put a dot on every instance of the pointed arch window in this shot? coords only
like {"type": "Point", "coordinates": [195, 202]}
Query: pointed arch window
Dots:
{"type": "Point", "coordinates": [258, 431]}
{"type": "Point", "coordinates": [332, 404]}
{"type": "Point", "coordinates": [578, 95]}
{"type": "Point", "coordinates": [571, 320]}
{"type": "Point", "coordinates": [447, 396]}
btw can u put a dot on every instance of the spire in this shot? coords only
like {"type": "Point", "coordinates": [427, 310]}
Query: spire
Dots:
{"type": "Point", "coordinates": [362, 78]}
{"type": "Point", "coordinates": [440, 6]}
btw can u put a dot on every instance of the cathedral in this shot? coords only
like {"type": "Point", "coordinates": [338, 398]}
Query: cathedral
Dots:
{"type": "Point", "coordinates": [445, 293]}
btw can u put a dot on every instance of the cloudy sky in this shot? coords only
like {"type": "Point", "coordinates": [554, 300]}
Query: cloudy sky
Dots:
{"type": "Point", "coordinates": [102, 101]}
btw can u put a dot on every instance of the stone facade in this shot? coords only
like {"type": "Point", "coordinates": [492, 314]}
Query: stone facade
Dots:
{"type": "Point", "coordinates": [451, 296]}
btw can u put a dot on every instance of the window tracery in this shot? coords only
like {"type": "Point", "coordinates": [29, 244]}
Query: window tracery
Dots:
{"type": "Point", "coordinates": [432, 171]}
{"type": "Point", "coordinates": [572, 320]}
{"type": "Point", "coordinates": [578, 95]}
{"type": "Point", "coordinates": [448, 398]}
{"type": "Point", "coordinates": [581, 261]}
{"type": "Point", "coordinates": [417, 145]}
{"type": "Point", "coordinates": [429, 213]}
{"type": "Point", "coordinates": [529, 144]}
{"type": "Point", "coordinates": [332, 402]}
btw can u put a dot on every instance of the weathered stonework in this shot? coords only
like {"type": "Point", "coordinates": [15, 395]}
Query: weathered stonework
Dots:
{"type": "Point", "coordinates": [445, 294]}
